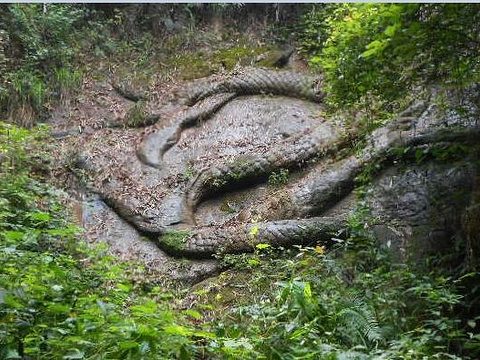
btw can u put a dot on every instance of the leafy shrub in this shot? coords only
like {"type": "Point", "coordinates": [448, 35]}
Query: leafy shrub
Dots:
{"type": "Point", "coordinates": [39, 50]}
{"type": "Point", "coordinates": [354, 303]}
{"type": "Point", "coordinates": [61, 299]}
{"type": "Point", "coordinates": [383, 50]}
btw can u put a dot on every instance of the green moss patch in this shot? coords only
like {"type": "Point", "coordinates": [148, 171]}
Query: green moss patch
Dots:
{"type": "Point", "coordinates": [195, 65]}
{"type": "Point", "coordinates": [174, 239]}
{"type": "Point", "coordinates": [242, 55]}
{"type": "Point", "coordinates": [190, 66]}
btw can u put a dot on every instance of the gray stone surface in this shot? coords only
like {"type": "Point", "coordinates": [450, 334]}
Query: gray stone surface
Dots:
{"type": "Point", "coordinates": [205, 167]}
{"type": "Point", "coordinates": [418, 209]}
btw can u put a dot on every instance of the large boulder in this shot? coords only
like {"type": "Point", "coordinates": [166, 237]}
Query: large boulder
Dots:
{"type": "Point", "coordinates": [248, 157]}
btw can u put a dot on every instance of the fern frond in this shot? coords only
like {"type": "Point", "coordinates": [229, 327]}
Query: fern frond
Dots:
{"type": "Point", "coordinates": [356, 317]}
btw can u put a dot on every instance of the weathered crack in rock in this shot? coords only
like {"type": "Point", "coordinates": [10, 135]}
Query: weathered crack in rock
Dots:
{"type": "Point", "coordinates": [149, 151]}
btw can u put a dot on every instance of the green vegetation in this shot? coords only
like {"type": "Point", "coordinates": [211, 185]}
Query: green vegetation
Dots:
{"type": "Point", "coordinates": [189, 173]}
{"type": "Point", "coordinates": [241, 55]}
{"type": "Point", "coordinates": [444, 152]}
{"type": "Point", "coordinates": [174, 239]}
{"type": "Point", "coordinates": [38, 47]}
{"type": "Point", "coordinates": [137, 115]}
{"type": "Point", "coordinates": [61, 299]}
{"type": "Point", "coordinates": [354, 301]}
{"type": "Point", "coordinates": [381, 51]}
{"type": "Point", "coordinates": [279, 178]}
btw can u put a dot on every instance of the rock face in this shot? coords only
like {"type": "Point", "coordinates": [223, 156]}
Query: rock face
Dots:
{"type": "Point", "coordinates": [419, 208]}
{"type": "Point", "coordinates": [125, 242]}
{"type": "Point", "coordinates": [247, 157]}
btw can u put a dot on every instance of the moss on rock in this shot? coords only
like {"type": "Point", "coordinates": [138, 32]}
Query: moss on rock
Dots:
{"type": "Point", "coordinates": [242, 55]}
{"type": "Point", "coordinates": [195, 65]}
{"type": "Point", "coordinates": [174, 239]}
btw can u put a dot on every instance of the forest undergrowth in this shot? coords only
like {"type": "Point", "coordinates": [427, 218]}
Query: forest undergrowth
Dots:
{"type": "Point", "coordinates": [352, 299]}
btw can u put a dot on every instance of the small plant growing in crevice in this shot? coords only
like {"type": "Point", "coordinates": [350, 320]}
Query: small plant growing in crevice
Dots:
{"type": "Point", "coordinates": [218, 182]}
{"type": "Point", "coordinates": [189, 173]}
{"type": "Point", "coordinates": [277, 179]}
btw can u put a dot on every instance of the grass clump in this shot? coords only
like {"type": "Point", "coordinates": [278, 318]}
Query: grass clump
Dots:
{"type": "Point", "coordinates": [137, 115]}
{"type": "Point", "coordinates": [240, 55]}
